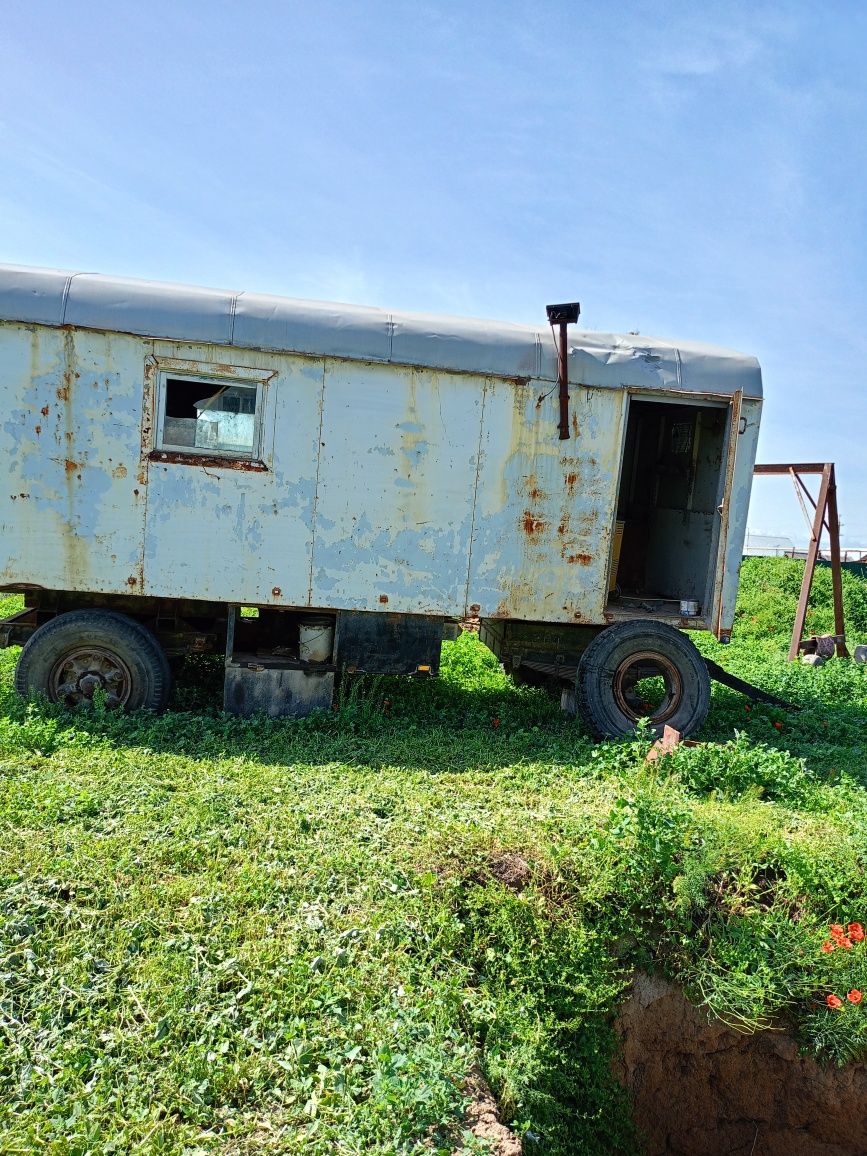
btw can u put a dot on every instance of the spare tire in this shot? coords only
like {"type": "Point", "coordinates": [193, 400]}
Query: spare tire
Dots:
{"type": "Point", "coordinates": [640, 670]}
{"type": "Point", "coordinates": [75, 655]}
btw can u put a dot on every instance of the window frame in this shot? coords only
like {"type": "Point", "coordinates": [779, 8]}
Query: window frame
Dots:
{"type": "Point", "coordinates": [162, 369]}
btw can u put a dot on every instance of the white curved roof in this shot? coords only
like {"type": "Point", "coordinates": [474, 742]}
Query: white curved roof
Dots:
{"type": "Point", "coordinates": [257, 321]}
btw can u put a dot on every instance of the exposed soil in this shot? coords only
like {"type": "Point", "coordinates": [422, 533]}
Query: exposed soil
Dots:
{"type": "Point", "coordinates": [483, 1120]}
{"type": "Point", "coordinates": [701, 1089]}
{"type": "Point", "coordinates": [511, 869]}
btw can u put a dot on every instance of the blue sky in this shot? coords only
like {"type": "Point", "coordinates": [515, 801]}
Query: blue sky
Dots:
{"type": "Point", "coordinates": [688, 170]}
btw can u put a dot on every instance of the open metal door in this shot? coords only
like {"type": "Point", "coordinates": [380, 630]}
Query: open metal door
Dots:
{"type": "Point", "coordinates": [736, 428]}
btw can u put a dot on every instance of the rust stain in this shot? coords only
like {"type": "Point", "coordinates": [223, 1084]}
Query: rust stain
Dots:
{"type": "Point", "coordinates": [132, 580]}
{"type": "Point", "coordinates": [533, 525]}
{"type": "Point", "coordinates": [579, 559]}
{"type": "Point", "coordinates": [147, 409]}
{"type": "Point", "coordinates": [513, 595]}
{"type": "Point", "coordinates": [165, 457]}
{"type": "Point", "coordinates": [75, 549]}
{"type": "Point", "coordinates": [575, 430]}
{"type": "Point", "coordinates": [534, 490]}
{"type": "Point", "coordinates": [44, 411]}
{"type": "Point", "coordinates": [38, 430]}
{"type": "Point", "coordinates": [276, 591]}
{"type": "Point", "coordinates": [383, 598]}
{"type": "Point", "coordinates": [119, 471]}
{"type": "Point", "coordinates": [571, 481]}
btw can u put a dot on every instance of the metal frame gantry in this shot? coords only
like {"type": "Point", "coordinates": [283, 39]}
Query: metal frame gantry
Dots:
{"type": "Point", "coordinates": [825, 517]}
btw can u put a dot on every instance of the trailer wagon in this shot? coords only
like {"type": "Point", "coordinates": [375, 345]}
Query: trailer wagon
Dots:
{"type": "Point", "coordinates": [356, 479]}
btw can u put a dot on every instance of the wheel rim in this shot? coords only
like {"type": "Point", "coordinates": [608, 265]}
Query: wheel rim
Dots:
{"type": "Point", "coordinates": [77, 675]}
{"type": "Point", "coordinates": [634, 700]}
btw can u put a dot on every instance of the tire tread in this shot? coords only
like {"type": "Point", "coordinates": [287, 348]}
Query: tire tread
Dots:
{"type": "Point", "coordinates": [140, 641]}
{"type": "Point", "coordinates": [590, 689]}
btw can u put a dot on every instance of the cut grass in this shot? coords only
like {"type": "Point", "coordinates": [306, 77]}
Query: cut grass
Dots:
{"type": "Point", "coordinates": [226, 935]}
{"type": "Point", "coordinates": [10, 604]}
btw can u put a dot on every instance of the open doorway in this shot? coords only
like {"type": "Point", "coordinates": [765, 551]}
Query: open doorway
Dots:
{"type": "Point", "coordinates": [667, 519]}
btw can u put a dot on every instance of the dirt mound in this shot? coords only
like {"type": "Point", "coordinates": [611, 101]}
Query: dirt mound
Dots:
{"type": "Point", "coordinates": [701, 1089]}
{"type": "Point", "coordinates": [483, 1119]}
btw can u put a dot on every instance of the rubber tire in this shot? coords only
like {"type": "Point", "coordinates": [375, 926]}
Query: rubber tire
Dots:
{"type": "Point", "coordinates": [594, 681]}
{"type": "Point", "coordinates": [151, 678]}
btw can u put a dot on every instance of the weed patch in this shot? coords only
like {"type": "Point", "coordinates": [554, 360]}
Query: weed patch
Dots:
{"type": "Point", "coordinates": [286, 936]}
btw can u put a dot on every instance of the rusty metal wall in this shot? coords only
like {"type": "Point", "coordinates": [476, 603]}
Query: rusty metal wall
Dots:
{"type": "Point", "coordinates": [226, 530]}
{"type": "Point", "coordinates": [397, 477]}
{"type": "Point", "coordinates": [72, 509]}
{"type": "Point", "coordinates": [545, 507]}
{"type": "Point", "coordinates": [384, 486]}
{"type": "Point", "coordinates": [726, 579]}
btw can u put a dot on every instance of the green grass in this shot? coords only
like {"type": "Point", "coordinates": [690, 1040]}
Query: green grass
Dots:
{"type": "Point", "coordinates": [10, 604]}
{"type": "Point", "coordinates": [220, 935]}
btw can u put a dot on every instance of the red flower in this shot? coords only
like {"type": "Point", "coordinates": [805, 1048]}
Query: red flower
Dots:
{"type": "Point", "coordinates": [856, 932]}
{"type": "Point", "coordinates": [837, 931]}
{"type": "Point", "coordinates": [844, 942]}
{"type": "Point", "coordinates": [854, 996]}
{"type": "Point", "coordinates": [778, 725]}
{"type": "Point", "coordinates": [827, 946]}
{"type": "Point", "coordinates": [833, 1001]}
{"type": "Point", "coordinates": [495, 723]}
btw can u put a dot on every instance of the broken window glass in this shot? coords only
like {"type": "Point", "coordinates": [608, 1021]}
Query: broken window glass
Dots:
{"type": "Point", "coordinates": [209, 416]}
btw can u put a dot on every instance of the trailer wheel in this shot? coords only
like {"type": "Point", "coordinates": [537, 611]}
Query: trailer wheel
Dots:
{"type": "Point", "coordinates": [75, 654]}
{"type": "Point", "coordinates": [642, 670]}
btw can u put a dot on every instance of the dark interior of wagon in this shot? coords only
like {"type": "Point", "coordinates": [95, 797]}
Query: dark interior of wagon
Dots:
{"type": "Point", "coordinates": [667, 527]}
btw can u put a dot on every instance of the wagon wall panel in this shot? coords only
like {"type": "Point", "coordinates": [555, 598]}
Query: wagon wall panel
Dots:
{"type": "Point", "coordinates": [231, 533]}
{"type": "Point", "coordinates": [545, 507]}
{"type": "Point", "coordinates": [396, 482]}
{"type": "Point", "coordinates": [727, 582]}
{"type": "Point", "coordinates": [71, 506]}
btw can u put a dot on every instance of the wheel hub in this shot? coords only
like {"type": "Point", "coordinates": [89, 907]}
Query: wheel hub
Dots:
{"type": "Point", "coordinates": [78, 675]}
{"type": "Point", "coordinates": [648, 685]}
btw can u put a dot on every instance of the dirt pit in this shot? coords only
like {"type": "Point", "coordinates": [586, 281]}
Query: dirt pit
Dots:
{"type": "Point", "coordinates": [701, 1089]}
